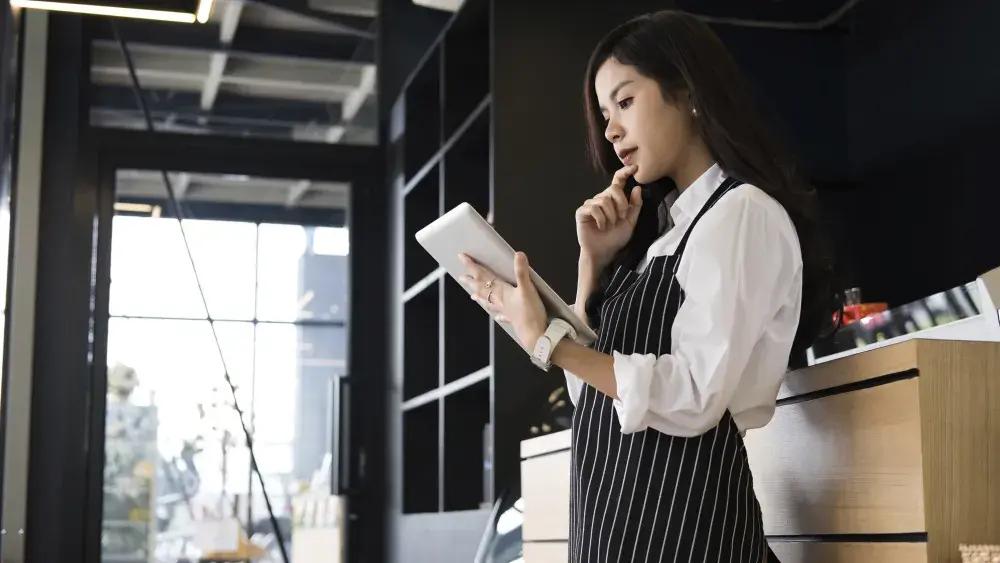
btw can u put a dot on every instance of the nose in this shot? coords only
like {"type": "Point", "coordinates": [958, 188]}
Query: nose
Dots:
{"type": "Point", "coordinates": [613, 131]}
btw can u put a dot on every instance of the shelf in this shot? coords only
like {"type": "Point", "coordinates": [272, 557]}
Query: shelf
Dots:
{"type": "Point", "coordinates": [466, 414]}
{"type": "Point", "coordinates": [449, 388]}
{"type": "Point", "coordinates": [434, 160]}
{"type": "Point", "coordinates": [421, 333]}
{"type": "Point", "coordinates": [422, 115]}
{"type": "Point", "coordinates": [426, 282]}
{"type": "Point", "coordinates": [466, 333]}
{"type": "Point", "coordinates": [466, 51]}
{"type": "Point", "coordinates": [467, 167]}
{"type": "Point", "coordinates": [482, 79]}
{"type": "Point", "coordinates": [421, 206]}
{"type": "Point", "coordinates": [421, 455]}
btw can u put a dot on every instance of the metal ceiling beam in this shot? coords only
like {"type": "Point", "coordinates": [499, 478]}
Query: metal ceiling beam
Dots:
{"type": "Point", "coordinates": [250, 212]}
{"type": "Point", "coordinates": [217, 127]}
{"type": "Point", "coordinates": [217, 66]}
{"type": "Point", "coordinates": [182, 184]}
{"type": "Point", "coordinates": [297, 192]}
{"type": "Point", "coordinates": [247, 41]}
{"type": "Point", "coordinates": [228, 107]}
{"type": "Point", "coordinates": [359, 26]}
{"type": "Point", "coordinates": [138, 150]}
{"type": "Point", "coordinates": [103, 120]}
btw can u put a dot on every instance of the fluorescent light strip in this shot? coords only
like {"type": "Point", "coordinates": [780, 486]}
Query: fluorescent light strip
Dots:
{"type": "Point", "coordinates": [133, 207]}
{"type": "Point", "coordinates": [106, 10]}
{"type": "Point", "coordinates": [204, 10]}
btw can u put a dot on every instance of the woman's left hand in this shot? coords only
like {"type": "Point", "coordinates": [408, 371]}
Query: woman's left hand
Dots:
{"type": "Point", "coordinates": [518, 304]}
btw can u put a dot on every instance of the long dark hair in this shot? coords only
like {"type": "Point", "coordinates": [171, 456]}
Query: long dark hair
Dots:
{"type": "Point", "coordinates": [683, 55]}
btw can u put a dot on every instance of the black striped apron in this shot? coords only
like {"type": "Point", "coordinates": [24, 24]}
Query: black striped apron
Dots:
{"type": "Point", "coordinates": [647, 496]}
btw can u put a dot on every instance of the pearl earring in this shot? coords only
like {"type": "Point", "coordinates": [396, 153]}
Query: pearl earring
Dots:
{"type": "Point", "coordinates": [694, 112]}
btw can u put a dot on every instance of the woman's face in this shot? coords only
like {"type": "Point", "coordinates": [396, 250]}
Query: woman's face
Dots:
{"type": "Point", "coordinates": [645, 129]}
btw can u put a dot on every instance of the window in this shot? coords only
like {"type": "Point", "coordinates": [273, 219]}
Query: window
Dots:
{"type": "Point", "coordinates": [277, 300]}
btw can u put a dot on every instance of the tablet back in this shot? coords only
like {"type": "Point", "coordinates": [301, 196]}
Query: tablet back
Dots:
{"type": "Point", "coordinates": [463, 230]}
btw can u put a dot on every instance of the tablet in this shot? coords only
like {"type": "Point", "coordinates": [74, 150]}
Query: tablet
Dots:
{"type": "Point", "coordinates": [463, 230]}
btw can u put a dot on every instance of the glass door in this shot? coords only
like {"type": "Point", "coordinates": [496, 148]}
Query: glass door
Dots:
{"type": "Point", "coordinates": [226, 329]}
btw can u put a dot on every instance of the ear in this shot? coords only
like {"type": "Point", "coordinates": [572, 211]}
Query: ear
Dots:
{"type": "Point", "coordinates": [690, 106]}
{"type": "Point", "coordinates": [683, 101]}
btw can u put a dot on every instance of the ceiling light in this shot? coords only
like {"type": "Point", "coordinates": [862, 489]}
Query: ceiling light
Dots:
{"type": "Point", "coordinates": [204, 11]}
{"type": "Point", "coordinates": [445, 5]}
{"type": "Point", "coordinates": [127, 207]}
{"type": "Point", "coordinates": [178, 11]}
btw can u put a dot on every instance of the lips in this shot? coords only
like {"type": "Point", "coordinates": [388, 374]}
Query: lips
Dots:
{"type": "Point", "coordinates": [626, 155]}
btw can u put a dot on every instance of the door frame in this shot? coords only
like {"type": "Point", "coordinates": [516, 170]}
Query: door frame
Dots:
{"type": "Point", "coordinates": [64, 336]}
{"type": "Point", "coordinates": [114, 150]}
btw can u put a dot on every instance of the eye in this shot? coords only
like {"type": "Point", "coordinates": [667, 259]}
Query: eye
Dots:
{"type": "Point", "coordinates": [625, 103]}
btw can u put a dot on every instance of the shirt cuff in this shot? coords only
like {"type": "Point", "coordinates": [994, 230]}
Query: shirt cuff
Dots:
{"type": "Point", "coordinates": [574, 385]}
{"type": "Point", "coordinates": [633, 378]}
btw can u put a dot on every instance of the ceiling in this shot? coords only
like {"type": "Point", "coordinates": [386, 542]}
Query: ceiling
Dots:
{"type": "Point", "coordinates": [299, 70]}
{"type": "Point", "coordinates": [146, 185]}
{"type": "Point", "coordinates": [290, 69]}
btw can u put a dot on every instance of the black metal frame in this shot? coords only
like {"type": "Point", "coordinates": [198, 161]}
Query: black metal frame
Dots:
{"type": "Point", "coordinates": [10, 74]}
{"type": "Point", "coordinates": [67, 429]}
{"type": "Point", "coordinates": [143, 153]}
{"type": "Point", "coordinates": [248, 40]}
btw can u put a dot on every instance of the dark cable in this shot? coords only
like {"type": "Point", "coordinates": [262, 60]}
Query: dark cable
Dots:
{"type": "Point", "coordinates": [141, 99]}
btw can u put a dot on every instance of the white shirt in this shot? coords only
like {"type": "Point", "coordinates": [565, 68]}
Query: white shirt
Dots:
{"type": "Point", "coordinates": [742, 279]}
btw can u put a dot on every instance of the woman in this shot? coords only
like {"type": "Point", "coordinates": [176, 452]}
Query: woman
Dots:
{"type": "Point", "coordinates": [700, 283]}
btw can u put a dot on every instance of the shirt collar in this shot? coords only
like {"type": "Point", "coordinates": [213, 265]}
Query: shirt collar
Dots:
{"type": "Point", "coordinates": [690, 201]}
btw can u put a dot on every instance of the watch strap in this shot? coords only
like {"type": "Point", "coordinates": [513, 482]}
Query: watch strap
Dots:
{"type": "Point", "coordinates": [556, 331]}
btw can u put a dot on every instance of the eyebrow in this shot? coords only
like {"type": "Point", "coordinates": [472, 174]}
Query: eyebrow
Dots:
{"type": "Point", "coordinates": [614, 91]}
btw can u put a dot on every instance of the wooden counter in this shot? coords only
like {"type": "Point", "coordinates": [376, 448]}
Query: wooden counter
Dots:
{"type": "Point", "coordinates": [891, 455]}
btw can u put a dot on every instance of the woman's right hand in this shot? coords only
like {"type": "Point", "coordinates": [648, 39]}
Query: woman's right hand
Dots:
{"type": "Point", "coordinates": [605, 222]}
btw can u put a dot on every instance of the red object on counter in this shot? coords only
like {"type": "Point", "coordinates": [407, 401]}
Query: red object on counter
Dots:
{"type": "Point", "coordinates": [855, 312]}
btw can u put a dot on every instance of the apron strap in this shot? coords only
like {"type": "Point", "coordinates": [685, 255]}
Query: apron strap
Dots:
{"type": "Point", "coordinates": [722, 190]}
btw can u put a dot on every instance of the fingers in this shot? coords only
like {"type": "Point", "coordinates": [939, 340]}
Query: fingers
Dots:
{"type": "Point", "coordinates": [617, 190]}
{"type": "Point", "coordinates": [483, 285]}
{"type": "Point", "coordinates": [635, 198]}
{"type": "Point", "coordinates": [635, 204]}
{"type": "Point", "coordinates": [491, 302]}
{"type": "Point", "coordinates": [490, 298]}
{"type": "Point", "coordinates": [592, 210]}
{"type": "Point", "coordinates": [617, 194]}
{"type": "Point", "coordinates": [618, 200]}
{"type": "Point", "coordinates": [473, 267]}
{"type": "Point", "coordinates": [522, 271]}
{"type": "Point", "coordinates": [603, 209]}
{"type": "Point", "coordinates": [607, 207]}
{"type": "Point", "coordinates": [622, 175]}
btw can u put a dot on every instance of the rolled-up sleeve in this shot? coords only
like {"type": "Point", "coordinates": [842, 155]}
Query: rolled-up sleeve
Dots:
{"type": "Point", "coordinates": [736, 273]}
{"type": "Point", "coordinates": [573, 385]}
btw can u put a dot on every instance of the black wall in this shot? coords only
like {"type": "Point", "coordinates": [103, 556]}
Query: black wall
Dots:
{"type": "Point", "coordinates": [923, 91]}
{"type": "Point", "coordinates": [891, 113]}
{"type": "Point", "coordinates": [798, 79]}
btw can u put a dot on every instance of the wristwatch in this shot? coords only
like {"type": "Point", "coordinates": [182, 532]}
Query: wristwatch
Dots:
{"type": "Point", "coordinates": [558, 329]}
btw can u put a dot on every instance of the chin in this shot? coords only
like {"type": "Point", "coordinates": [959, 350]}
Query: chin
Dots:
{"type": "Point", "coordinates": [641, 177]}
{"type": "Point", "coordinates": [646, 174]}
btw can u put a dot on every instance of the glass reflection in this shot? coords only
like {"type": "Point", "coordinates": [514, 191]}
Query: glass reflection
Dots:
{"type": "Point", "coordinates": [502, 541]}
